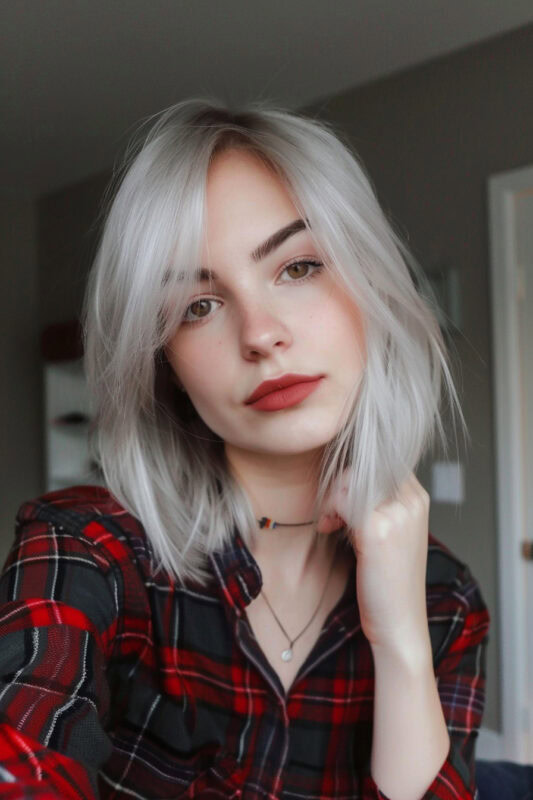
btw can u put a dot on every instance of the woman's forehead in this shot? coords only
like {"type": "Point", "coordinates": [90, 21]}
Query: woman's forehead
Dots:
{"type": "Point", "coordinates": [237, 175]}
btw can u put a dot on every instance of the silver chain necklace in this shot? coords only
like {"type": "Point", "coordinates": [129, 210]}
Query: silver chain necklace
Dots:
{"type": "Point", "coordinates": [287, 654]}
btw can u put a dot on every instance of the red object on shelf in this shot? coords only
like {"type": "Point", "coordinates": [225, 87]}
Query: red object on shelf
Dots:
{"type": "Point", "coordinates": [62, 341]}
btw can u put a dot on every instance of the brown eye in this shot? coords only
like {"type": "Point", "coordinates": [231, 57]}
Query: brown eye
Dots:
{"type": "Point", "coordinates": [198, 310]}
{"type": "Point", "coordinates": [200, 305]}
{"type": "Point", "coordinates": [302, 270]}
{"type": "Point", "coordinates": [298, 270]}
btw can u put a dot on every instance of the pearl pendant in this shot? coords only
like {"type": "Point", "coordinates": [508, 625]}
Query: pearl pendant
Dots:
{"type": "Point", "coordinates": [287, 654]}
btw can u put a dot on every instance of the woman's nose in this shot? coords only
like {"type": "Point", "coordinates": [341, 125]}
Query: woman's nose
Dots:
{"type": "Point", "coordinates": [262, 329]}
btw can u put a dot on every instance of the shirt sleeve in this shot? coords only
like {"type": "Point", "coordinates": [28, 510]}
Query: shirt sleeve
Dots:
{"type": "Point", "coordinates": [460, 671]}
{"type": "Point", "coordinates": [59, 612]}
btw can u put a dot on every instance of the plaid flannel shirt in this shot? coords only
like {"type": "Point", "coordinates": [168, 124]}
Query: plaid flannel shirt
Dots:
{"type": "Point", "coordinates": [117, 683]}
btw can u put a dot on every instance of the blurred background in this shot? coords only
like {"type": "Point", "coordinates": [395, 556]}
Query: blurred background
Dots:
{"type": "Point", "coordinates": [436, 98]}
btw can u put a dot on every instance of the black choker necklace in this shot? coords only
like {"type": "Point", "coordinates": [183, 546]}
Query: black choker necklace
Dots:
{"type": "Point", "coordinates": [266, 522]}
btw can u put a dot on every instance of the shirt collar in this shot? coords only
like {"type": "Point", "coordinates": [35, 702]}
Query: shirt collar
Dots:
{"type": "Point", "coordinates": [237, 572]}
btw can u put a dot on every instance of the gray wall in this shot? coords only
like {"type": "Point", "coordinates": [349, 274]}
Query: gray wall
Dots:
{"type": "Point", "coordinates": [430, 137]}
{"type": "Point", "coordinates": [67, 233]}
{"type": "Point", "coordinates": [20, 368]}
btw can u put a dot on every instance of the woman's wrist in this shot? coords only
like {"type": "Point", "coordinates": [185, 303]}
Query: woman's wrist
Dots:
{"type": "Point", "coordinates": [412, 654]}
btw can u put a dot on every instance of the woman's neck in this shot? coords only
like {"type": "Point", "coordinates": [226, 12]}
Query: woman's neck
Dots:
{"type": "Point", "coordinates": [283, 488]}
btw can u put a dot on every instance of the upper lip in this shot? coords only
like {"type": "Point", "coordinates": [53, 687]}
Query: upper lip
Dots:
{"type": "Point", "coordinates": [274, 384]}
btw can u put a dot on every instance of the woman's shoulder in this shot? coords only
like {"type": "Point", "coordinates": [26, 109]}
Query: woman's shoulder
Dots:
{"type": "Point", "coordinates": [90, 513]}
{"type": "Point", "coordinates": [78, 559]}
{"type": "Point", "coordinates": [79, 499]}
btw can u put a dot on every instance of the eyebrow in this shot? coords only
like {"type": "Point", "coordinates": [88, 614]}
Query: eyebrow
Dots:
{"type": "Point", "coordinates": [277, 239]}
{"type": "Point", "coordinates": [266, 248]}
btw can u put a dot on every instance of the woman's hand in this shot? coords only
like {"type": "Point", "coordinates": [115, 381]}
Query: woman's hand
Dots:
{"type": "Point", "coordinates": [391, 566]}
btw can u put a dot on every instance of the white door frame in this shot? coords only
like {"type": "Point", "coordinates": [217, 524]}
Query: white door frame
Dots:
{"type": "Point", "coordinates": [512, 742]}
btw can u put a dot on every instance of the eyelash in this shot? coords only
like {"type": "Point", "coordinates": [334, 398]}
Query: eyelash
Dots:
{"type": "Point", "coordinates": [315, 272]}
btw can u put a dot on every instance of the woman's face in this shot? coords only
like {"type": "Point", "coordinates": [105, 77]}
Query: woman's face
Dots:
{"type": "Point", "coordinates": [266, 314]}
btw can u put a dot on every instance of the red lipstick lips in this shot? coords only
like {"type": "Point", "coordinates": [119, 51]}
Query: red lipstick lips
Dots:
{"type": "Point", "coordinates": [282, 392]}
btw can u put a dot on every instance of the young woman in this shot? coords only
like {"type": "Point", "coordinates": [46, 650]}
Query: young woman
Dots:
{"type": "Point", "coordinates": [254, 606]}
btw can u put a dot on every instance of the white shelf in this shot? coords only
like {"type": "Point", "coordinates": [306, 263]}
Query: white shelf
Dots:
{"type": "Point", "coordinates": [66, 445]}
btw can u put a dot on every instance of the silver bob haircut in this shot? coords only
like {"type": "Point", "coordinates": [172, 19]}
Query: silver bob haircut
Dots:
{"type": "Point", "coordinates": [158, 457]}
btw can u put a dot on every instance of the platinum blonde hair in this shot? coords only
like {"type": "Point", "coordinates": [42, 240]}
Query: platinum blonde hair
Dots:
{"type": "Point", "coordinates": [158, 457]}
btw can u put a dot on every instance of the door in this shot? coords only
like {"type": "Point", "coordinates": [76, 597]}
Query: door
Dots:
{"type": "Point", "coordinates": [511, 247]}
{"type": "Point", "coordinates": [523, 215]}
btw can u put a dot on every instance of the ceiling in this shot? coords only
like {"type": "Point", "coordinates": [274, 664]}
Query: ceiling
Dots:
{"type": "Point", "coordinates": [78, 75]}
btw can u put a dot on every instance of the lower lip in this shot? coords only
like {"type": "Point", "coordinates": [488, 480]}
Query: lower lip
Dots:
{"type": "Point", "coordinates": [284, 398]}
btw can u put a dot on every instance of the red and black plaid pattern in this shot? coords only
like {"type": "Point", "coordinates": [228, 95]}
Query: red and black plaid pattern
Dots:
{"type": "Point", "coordinates": [117, 683]}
